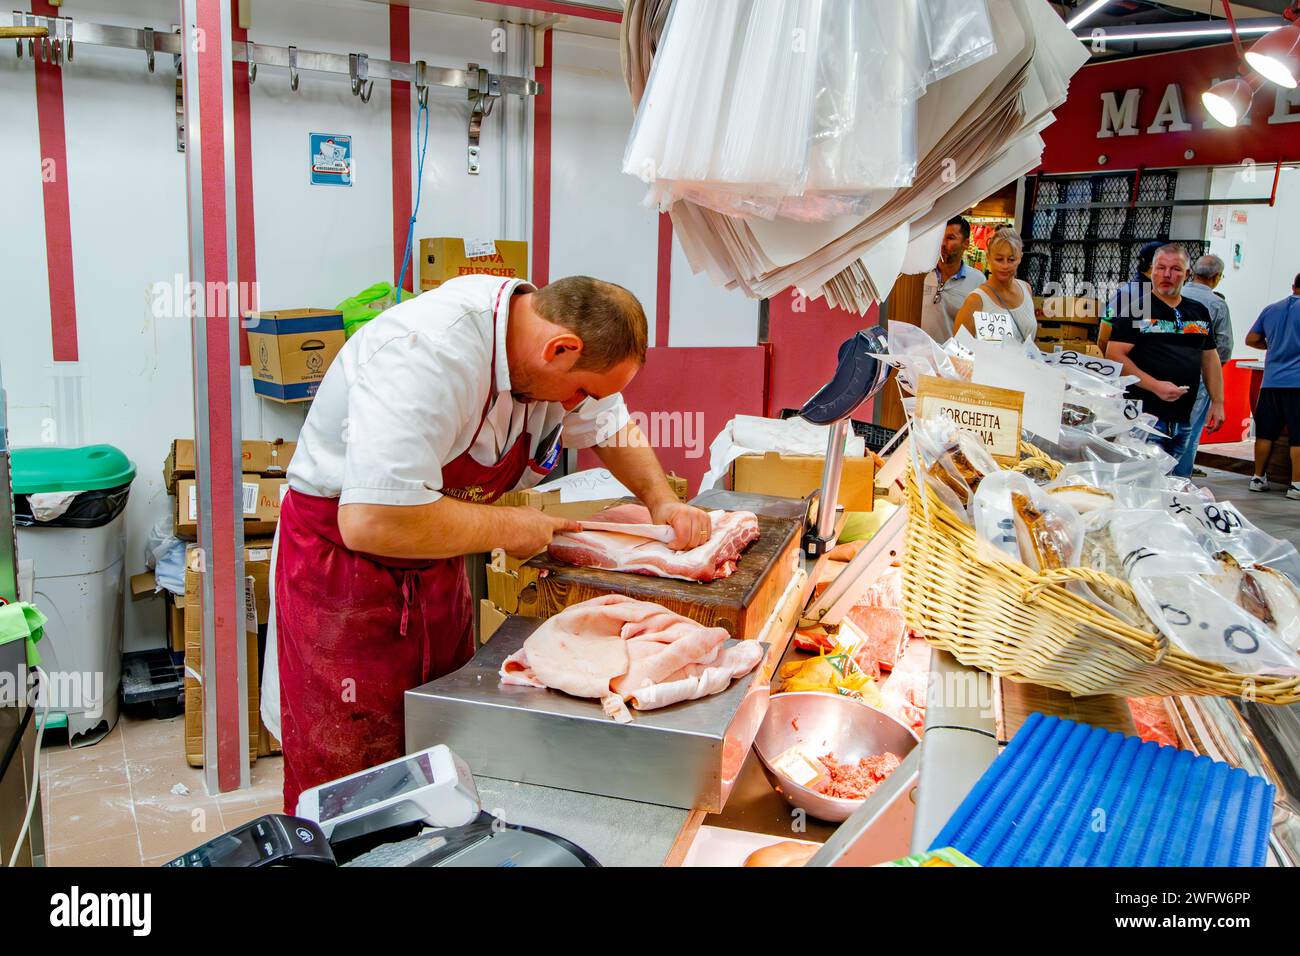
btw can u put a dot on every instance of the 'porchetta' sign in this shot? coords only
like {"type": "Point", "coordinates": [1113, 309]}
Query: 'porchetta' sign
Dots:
{"type": "Point", "coordinates": [992, 414]}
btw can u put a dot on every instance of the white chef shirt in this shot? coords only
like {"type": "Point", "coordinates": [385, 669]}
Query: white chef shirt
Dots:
{"type": "Point", "coordinates": [938, 318]}
{"type": "Point", "coordinates": [406, 393]}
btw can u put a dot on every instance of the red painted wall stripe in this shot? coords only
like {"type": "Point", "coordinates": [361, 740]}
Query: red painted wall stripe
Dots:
{"type": "Point", "coordinates": [564, 9]}
{"type": "Point", "coordinates": [664, 280]}
{"type": "Point", "coordinates": [54, 194]}
{"type": "Point", "coordinates": [542, 168]}
{"type": "Point", "coordinates": [399, 50]}
{"type": "Point", "coordinates": [229, 628]}
{"type": "Point", "coordinates": [245, 232]}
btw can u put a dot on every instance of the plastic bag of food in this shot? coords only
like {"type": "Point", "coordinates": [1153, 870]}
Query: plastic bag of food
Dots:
{"type": "Point", "coordinates": [951, 461]}
{"type": "Point", "coordinates": [1212, 607]}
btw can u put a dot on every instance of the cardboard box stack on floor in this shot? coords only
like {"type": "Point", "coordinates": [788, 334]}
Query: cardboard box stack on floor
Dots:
{"type": "Point", "coordinates": [264, 465]}
{"type": "Point", "coordinates": [257, 566]}
{"type": "Point", "coordinates": [505, 582]}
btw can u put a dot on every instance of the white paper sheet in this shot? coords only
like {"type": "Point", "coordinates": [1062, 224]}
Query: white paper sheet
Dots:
{"type": "Point", "coordinates": [594, 484]}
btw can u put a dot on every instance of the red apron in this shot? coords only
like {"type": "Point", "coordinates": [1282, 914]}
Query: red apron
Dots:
{"type": "Point", "coordinates": [356, 631]}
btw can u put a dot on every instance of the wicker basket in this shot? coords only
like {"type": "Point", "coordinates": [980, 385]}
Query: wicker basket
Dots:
{"type": "Point", "coordinates": [1001, 617]}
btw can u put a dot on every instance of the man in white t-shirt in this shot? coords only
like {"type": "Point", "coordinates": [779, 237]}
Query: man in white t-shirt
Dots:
{"type": "Point", "coordinates": [430, 413]}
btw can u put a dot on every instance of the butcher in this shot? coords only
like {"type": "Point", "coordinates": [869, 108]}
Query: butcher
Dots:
{"type": "Point", "coordinates": [429, 414]}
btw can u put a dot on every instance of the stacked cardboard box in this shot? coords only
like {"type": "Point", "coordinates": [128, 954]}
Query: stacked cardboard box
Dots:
{"type": "Point", "coordinates": [797, 476]}
{"type": "Point", "coordinates": [263, 484]}
{"type": "Point", "coordinates": [257, 566]}
{"type": "Point", "coordinates": [507, 580]}
{"type": "Point", "coordinates": [1068, 322]}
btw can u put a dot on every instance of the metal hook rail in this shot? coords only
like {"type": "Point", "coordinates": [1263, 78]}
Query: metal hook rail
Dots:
{"type": "Point", "coordinates": [482, 87]}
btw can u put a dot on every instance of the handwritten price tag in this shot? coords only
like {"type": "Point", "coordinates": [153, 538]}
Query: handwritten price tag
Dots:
{"type": "Point", "coordinates": [994, 326]}
{"type": "Point", "coordinates": [1092, 364]}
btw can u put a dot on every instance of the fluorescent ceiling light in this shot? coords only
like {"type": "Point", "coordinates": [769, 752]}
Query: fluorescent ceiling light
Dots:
{"type": "Point", "coordinates": [1086, 13]}
{"type": "Point", "coordinates": [1178, 34]}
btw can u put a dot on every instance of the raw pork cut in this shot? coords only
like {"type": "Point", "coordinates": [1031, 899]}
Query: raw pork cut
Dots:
{"type": "Point", "coordinates": [623, 651]}
{"type": "Point", "coordinates": [634, 551]}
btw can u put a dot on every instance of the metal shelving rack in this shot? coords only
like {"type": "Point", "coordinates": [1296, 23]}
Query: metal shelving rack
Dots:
{"type": "Point", "coordinates": [1089, 229]}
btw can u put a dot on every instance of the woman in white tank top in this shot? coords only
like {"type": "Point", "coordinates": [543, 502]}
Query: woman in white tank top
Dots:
{"type": "Point", "coordinates": [1001, 295]}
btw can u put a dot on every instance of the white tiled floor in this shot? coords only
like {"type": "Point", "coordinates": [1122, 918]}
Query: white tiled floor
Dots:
{"type": "Point", "coordinates": [118, 803]}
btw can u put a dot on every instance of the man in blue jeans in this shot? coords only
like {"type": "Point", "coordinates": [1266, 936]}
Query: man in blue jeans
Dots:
{"type": "Point", "coordinates": [1206, 275]}
{"type": "Point", "coordinates": [1170, 350]}
{"type": "Point", "coordinates": [1277, 331]}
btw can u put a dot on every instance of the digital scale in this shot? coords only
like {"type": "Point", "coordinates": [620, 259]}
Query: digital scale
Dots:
{"type": "Point", "coordinates": [367, 819]}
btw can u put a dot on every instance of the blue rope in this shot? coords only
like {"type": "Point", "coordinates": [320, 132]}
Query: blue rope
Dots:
{"type": "Point", "coordinates": [421, 147]}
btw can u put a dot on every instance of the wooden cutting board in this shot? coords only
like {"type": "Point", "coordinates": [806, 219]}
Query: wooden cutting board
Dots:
{"type": "Point", "coordinates": [741, 603]}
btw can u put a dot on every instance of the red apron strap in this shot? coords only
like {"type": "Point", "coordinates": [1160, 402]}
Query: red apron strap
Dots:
{"type": "Point", "coordinates": [492, 367]}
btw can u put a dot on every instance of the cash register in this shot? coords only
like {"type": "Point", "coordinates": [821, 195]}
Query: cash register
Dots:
{"type": "Point", "coordinates": [420, 810]}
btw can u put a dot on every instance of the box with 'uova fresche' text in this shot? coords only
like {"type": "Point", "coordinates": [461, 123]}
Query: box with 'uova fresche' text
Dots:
{"type": "Point", "coordinates": [290, 351]}
{"type": "Point", "coordinates": [449, 257]}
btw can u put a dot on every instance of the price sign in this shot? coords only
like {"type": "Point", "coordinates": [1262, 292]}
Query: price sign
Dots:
{"type": "Point", "coordinates": [994, 326]}
{"type": "Point", "coordinates": [1092, 364]}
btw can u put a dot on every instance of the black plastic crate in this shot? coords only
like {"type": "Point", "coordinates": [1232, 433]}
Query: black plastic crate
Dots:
{"type": "Point", "coordinates": [153, 677]}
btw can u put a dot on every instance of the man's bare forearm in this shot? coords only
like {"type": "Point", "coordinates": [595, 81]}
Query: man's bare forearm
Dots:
{"type": "Point", "coordinates": [631, 460]}
{"type": "Point", "coordinates": [1212, 369]}
{"type": "Point", "coordinates": [444, 528]}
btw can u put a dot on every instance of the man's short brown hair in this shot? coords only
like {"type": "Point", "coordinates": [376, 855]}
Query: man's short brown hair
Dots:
{"type": "Point", "coordinates": [1173, 249]}
{"type": "Point", "coordinates": [607, 317]}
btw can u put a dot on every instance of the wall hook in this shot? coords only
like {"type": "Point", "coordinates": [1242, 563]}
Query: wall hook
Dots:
{"type": "Point", "coordinates": [252, 71]}
{"type": "Point", "coordinates": [149, 47]}
{"type": "Point", "coordinates": [421, 85]}
{"type": "Point", "coordinates": [359, 70]}
{"type": "Point", "coordinates": [67, 38]}
{"type": "Point", "coordinates": [293, 68]}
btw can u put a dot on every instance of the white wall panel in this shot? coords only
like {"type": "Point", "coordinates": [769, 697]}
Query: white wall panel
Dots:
{"type": "Point", "coordinates": [1268, 261]}
{"type": "Point", "coordinates": [598, 226]}
{"type": "Point", "coordinates": [705, 314]}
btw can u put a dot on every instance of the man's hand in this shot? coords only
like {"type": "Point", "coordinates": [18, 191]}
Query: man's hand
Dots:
{"type": "Point", "coordinates": [532, 531]}
{"type": "Point", "coordinates": [1168, 391]}
{"type": "Point", "coordinates": [692, 525]}
{"type": "Point", "coordinates": [1214, 419]}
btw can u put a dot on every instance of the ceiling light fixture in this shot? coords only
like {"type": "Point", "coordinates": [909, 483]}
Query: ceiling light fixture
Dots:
{"type": "Point", "coordinates": [1229, 100]}
{"type": "Point", "coordinates": [1085, 13]}
{"type": "Point", "coordinates": [1276, 57]}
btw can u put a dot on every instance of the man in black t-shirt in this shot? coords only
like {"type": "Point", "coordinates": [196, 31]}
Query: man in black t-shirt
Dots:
{"type": "Point", "coordinates": [1170, 351]}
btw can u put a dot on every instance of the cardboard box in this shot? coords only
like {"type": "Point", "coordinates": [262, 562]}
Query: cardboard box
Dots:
{"type": "Point", "coordinates": [259, 457]}
{"type": "Point", "coordinates": [291, 349]}
{"type": "Point", "coordinates": [262, 497]}
{"type": "Point", "coordinates": [175, 622]}
{"type": "Point", "coordinates": [267, 745]}
{"type": "Point", "coordinates": [505, 584]}
{"type": "Point", "coordinates": [449, 257]}
{"type": "Point", "coordinates": [797, 476]}
{"type": "Point", "coordinates": [490, 617]}
{"type": "Point", "coordinates": [1068, 308]}
{"type": "Point", "coordinates": [257, 563]}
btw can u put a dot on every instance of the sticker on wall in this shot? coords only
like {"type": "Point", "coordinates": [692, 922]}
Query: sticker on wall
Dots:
{"type": "Point", "coordinates": [331, 159]}
{"type": "Point", "coordinates": [1239, 217]}
{"type": "Point", "coordinates": [1219, 225]}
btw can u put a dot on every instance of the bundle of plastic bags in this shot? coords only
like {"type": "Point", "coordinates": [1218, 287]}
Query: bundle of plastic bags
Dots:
{"type": "Point", "coordinates": [822, 144]}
